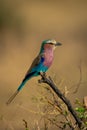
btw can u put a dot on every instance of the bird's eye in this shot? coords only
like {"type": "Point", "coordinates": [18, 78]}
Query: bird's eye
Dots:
{"type": "Point", "coordinates": [51, 43]}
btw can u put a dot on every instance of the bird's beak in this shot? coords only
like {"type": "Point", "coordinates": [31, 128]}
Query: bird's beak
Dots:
{"type": "Point", "coordinates": [58, 44]}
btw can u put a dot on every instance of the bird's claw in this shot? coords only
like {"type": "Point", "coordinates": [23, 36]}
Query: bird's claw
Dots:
{"type": "Point", "coordinates": [43, 74]}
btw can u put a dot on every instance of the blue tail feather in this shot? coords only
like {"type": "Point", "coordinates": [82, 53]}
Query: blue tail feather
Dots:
{"type": "Point", "coordinates": [21, 86]}
{"type": "Point", "coordinates": [27, 77]}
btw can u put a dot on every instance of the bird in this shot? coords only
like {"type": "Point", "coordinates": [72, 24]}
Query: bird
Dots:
{"type": "Point", "coordinates": [40, 64]}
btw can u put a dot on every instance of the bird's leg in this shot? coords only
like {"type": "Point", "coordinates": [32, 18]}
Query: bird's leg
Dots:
{"type": "Point", "coordinates": [43, 75]}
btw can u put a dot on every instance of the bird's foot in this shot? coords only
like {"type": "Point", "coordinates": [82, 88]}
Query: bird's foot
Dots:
{"type": "Point", "coordinates": [43, 75]}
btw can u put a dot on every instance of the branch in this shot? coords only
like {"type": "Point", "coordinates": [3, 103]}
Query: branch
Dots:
{"type": "Point", "coordinates": [50, 82]}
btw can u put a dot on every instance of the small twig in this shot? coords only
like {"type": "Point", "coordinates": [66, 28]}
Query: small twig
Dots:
{"type": "Point", "coordinates": [25, 124]}
{"type": "Point", "coordinates": [54, 123]}
{"type": "Point", "coordinates": [50, 82]}
{"type": "Point", "coordinates": [80, 78]}
{"type": "Point", "coordinates": [57, 107]}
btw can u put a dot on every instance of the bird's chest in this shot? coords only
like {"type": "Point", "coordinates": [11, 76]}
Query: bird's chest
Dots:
{"type": "Point", "coordinates": [48, 58]}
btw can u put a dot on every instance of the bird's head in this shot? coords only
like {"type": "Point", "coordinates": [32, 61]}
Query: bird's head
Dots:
{"type": "Point", "coordinates": [49, 44]}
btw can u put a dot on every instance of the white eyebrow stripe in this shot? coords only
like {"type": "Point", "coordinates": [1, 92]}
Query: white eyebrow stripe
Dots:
{"type": "Point", "coordinates": [51, 41]}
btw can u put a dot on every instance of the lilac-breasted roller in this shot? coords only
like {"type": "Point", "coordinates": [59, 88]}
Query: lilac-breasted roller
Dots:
{"type": "Point", "coordinates": [40, 64]}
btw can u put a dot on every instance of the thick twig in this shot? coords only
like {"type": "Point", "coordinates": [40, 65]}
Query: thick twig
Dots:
{"type": "Point", "coordinates": [50, 82]}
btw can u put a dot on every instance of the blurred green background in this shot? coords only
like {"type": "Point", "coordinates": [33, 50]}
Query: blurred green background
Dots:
{"type": "Point", "coordinates": [24, 24]}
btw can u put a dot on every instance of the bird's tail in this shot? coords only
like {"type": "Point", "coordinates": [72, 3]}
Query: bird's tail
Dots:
{"type": "Point", "coordinates": [27, 77]}
{"type": "Point", "coordinates": [12, 97]}
{"type": "Point", "coordinates": [17, 91]}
